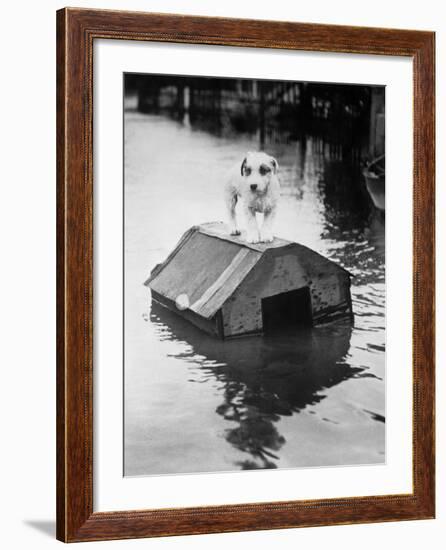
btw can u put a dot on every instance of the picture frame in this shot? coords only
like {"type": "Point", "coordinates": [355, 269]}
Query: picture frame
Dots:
{"type": "Point", "coordinates": [77, 29]}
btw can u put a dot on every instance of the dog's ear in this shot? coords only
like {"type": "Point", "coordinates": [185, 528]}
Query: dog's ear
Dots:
{"type": "Point", "coordinates": [242, 167]}
{"type": "Point", "coordinates": [275, 165]}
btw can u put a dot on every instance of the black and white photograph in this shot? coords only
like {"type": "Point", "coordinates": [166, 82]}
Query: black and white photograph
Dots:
{"type": "Point", "coordinates": [254, 274]}
{"type": "Point", "coordinates": [231, 218]}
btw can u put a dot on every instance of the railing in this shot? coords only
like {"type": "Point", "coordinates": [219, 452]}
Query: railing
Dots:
{"type": "Point", "coordinates": [337, 117]}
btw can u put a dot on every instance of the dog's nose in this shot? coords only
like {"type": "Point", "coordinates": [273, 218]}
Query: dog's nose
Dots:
{"type": "Point", "coordinates": [253, 186]}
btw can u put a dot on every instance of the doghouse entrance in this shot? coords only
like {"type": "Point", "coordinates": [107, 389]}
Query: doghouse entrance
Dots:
{"type": "Point", "coordinates": [288, 309]}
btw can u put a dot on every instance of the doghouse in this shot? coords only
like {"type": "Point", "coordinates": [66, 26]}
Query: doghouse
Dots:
{"type": "Point", "coordinates": [228, 287]}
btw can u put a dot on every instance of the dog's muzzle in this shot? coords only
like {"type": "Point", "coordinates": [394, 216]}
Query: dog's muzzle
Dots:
{"type": "Point", "coordinates": [253, 186]}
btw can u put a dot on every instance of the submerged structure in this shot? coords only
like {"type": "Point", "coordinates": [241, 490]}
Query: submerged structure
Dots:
{"type": "Point", "coordinates": [228, 287]}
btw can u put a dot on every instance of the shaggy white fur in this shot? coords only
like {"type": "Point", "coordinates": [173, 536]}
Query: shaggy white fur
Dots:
{"type": "Point", "coordinates": [256, 183]}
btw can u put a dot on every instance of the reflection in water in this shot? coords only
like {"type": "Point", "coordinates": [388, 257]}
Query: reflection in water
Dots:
{"type": "Point", "coordinates": [347, 206]}
{"type": "Point", "coordinates": [197, 404]}
{"type": "Point", "coordinates": [262, 378]}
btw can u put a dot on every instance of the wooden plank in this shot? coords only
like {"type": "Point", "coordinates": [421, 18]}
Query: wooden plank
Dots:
{"type": "Point", "coordinates": [158, 268]}
{"type": "Point", "coordinates": [211, 326]}
{"type": "Point", "coordinates": [216, 295]}
{"type": "Point", "coordinates": [195, 267]}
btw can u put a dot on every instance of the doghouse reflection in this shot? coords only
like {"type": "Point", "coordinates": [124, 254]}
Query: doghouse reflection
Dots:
{"type": "Point", "coordinates": [263, 378]}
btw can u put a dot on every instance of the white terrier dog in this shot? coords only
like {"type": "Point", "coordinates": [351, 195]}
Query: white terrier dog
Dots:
{"type": "Point", "coordinates": [255, 181]}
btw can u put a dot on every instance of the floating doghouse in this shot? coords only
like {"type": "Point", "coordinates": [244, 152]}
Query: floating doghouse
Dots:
{"type": "Point", "coordinates": [228, 287]}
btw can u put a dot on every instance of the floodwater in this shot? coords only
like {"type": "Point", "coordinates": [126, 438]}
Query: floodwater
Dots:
{"type": "Point", "coordinates": [312, 398]}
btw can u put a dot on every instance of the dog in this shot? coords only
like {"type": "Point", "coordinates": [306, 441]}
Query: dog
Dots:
{"type": "Point", "coordinates": [256, 183]}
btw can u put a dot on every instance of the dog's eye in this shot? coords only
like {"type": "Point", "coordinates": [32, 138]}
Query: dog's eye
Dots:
{"type": "Point", "coordinates": [247, 171]}
{"type": "Point", "coordinates": [264, 170]}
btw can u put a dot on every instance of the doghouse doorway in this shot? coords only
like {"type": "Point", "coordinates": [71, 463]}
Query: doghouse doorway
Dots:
{"type": "Point", "coordinates": [287, 310]}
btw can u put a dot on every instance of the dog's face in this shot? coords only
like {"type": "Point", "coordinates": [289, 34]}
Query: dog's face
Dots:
{"type": "Point", "coordinates": [257, 169]}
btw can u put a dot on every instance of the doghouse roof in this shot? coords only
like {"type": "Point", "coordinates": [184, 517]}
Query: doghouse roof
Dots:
{"type": "Point", "coordinates": [208, 265]}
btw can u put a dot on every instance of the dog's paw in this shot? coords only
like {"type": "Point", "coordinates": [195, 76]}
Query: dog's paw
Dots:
{"type": "Point", "coordinates": [235, 232]}
{"type": "Point", "coordinates": [266, 237]}
{"type": "Point", "coordinates": [252, 239]}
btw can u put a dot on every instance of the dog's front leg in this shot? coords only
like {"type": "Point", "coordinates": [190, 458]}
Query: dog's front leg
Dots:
{"type": "Point", "coordinates": [252, 230]}
{"type": "Point", "coordinates": [266, 233]}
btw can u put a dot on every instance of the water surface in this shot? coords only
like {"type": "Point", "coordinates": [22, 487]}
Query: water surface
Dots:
{"type": "Point", "coordinates": [310, 398]}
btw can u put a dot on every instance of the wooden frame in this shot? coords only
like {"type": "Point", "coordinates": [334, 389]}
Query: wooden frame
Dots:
{"type": "Point", "coordinates": [76, 31]}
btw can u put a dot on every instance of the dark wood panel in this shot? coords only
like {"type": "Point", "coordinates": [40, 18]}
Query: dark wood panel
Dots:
{"type": "Point", "coordinates": [256, 33]}
{"type": "Point", "coordinates": [76, 31]}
